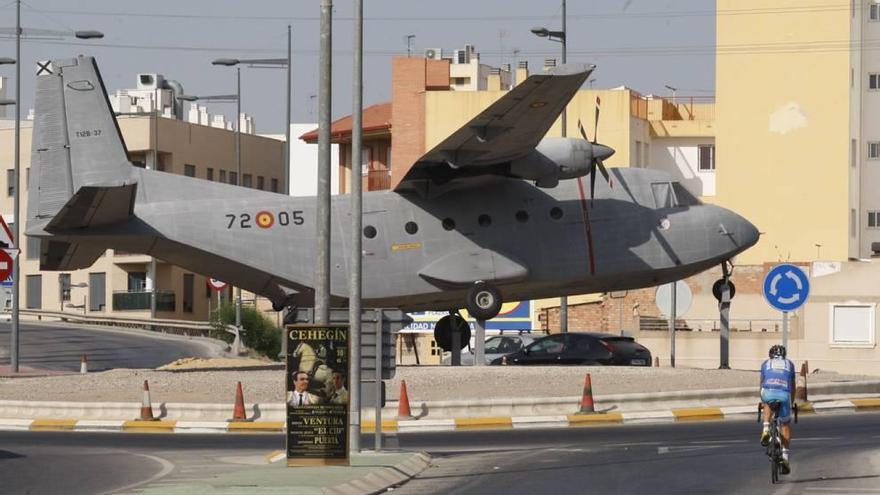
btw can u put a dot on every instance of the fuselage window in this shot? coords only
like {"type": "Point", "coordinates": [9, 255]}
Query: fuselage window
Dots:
{"type": "Point", "coordinates": [484, 220]}
{"type": "Point", "coordinates": [522, 216]}
{"type": "Point", "coordinates": [448, 223]}
{"type": "Point", "coordinates": [556, 213]}
{"type": "Point", "coordinates": [411, 228]}
{"type": "Point", "coordinates": [370, 232]}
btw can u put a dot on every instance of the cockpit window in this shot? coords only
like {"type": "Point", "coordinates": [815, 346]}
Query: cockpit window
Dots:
{"type": "Point", "coordinates": [672, 195]}
{"type": "Point", "coordinates": [684, 197]}
{"type": "Point", "coordinates": [663, 197]}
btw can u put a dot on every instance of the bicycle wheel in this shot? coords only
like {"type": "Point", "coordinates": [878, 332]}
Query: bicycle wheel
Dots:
{"type": "Point", "coordinates": [774, 468]}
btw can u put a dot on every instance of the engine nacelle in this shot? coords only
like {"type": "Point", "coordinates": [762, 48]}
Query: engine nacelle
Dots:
{"type": "Point", "coordinates": [554, 159]}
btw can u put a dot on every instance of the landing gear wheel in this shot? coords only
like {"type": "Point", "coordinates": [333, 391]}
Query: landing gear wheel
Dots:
{"type": "Point", "coordinates": [483, 301]}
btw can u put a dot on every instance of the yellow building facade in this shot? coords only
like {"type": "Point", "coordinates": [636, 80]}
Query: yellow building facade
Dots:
{"type": "Point", "coordinates": [120, 283]}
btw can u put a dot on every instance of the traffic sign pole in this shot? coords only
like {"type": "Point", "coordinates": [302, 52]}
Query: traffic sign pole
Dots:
{"type": "Point", "coordinates": [724, 310]}
{"type": "Point", "coordinates": [672, 326]}
{"type": "Point", "coordinates": [785, 329]}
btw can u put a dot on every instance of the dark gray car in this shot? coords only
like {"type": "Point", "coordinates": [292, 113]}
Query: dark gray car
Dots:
{"type": "Point", "coordinates": [582, 349]}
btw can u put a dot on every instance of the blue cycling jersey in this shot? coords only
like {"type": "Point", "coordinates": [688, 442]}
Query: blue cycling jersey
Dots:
{"type": "Point", "coordinates": [778, 374]}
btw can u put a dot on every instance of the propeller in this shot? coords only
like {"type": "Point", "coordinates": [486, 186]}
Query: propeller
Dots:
{"type": "Point", "coordinates": [599, 151]}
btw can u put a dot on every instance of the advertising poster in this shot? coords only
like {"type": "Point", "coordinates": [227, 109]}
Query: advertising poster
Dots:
{"type": "Point", "coordinates": [317, 394]}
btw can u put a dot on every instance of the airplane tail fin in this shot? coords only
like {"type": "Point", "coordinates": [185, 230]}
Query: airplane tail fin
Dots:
{"type": "Point", "coordinates": [80, 174]}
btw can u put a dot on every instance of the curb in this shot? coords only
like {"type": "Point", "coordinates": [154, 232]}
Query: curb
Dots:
{"type": "Point", "coordinates": [380, 480]}
{"type": "Point", "coordinates": [678, 415]}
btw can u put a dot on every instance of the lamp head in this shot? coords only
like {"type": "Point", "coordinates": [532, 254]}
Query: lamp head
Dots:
{"type": "Point", "coordinates": [229, 62]}
{"type": "Point", "coordinates": [89, 35]}
{"type": "Point", "coordinates": [541, 31]}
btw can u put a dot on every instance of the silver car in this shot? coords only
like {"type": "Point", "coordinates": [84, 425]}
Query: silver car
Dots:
{"type": "Point", "coordinates": [496, 346]}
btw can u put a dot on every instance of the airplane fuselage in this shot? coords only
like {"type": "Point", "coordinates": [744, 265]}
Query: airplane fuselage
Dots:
{"type": "Point", "coordinates": [424, 253]}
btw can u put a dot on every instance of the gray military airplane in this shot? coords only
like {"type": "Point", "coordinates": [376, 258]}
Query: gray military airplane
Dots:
{"type": "Point", "coordinates": [492, 213]}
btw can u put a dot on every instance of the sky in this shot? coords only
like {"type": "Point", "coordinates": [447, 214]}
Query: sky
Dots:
{"type": "Point", "coordinates": [643, 44]}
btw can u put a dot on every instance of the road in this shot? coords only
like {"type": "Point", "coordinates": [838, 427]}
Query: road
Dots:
{"type": "Point", "coordinates": [59, 347]}
{"type": "Point", "coordinates": [831, 455]}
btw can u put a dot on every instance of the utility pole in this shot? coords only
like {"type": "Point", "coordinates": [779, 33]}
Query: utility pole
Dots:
{"type": "Point", "coordinates": [16, 227]}
{"type": "Point", "coordinates": [354, 296]}
{"type": "Point", "coordinates": [322, 259]}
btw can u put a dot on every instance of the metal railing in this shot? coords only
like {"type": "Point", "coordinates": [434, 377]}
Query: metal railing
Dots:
{"type": "Point", "coordinates": [178, 327]}
{"type": "Point", "coordinates": [654, 324]}
{"type": "Point", "coordinates": [140, 300]}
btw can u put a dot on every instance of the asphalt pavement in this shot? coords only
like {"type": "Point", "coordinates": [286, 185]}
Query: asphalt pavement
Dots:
{"type": "Point", "coordinates": [59, 347]}
{"type": "Point", "coordinates": [831, 454]}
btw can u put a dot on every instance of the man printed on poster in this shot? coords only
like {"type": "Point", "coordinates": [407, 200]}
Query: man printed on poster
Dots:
{"type": "Point", "coordinates": [300, 396]}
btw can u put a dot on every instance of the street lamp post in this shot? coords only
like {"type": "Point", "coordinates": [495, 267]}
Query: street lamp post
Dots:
{"type": "Point", "coordinates": [228, 98]}
{"type": "Point", "coordinates": [558, 36]}
{"type": "Point", "coordinates": [16, 226]}
{"type": "Point", "coordinates": [673, 89]}
{"type": "Point", "coordinates": [272, 62]}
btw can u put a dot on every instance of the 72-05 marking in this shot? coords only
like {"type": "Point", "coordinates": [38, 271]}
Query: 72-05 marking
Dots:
{"type": "Point", "coordinates": [265, 219]}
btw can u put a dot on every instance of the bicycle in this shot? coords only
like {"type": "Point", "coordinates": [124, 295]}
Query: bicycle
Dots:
{"type": "Point", "coordinates": [774, 448]}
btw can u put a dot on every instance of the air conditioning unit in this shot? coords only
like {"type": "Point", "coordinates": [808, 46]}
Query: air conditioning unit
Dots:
{"type": "Point", "coordinates": [434, 53]}
{"type": "Point", "coordinates": [150, 81]}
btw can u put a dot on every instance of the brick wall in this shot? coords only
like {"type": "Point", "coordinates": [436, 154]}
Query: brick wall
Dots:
{"type": "Point", "coordinates": [410, 78]}
{"type": "Point", "coordinates": [605, 315]}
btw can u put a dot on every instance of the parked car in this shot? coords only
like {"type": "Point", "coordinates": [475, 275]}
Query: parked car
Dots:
{"type": "Point", "coordinates": [582, 348]}
{"type": "Point", "coordinates": [496, 346]}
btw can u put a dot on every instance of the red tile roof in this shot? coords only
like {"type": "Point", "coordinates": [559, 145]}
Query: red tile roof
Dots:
{"type": "Point", "coordinates": [375, 118]}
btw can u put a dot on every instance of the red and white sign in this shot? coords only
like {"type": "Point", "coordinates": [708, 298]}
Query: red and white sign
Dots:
{"type": "Point", "coordinates": [6, 241]}
{"type": "Point", "coordinates": [217, 284]}
{"type": "Point", "coordinates": [5, 264]}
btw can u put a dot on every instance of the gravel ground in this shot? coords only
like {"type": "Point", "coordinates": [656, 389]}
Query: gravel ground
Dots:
{"type": "Point", "coordinates": [423, 383]}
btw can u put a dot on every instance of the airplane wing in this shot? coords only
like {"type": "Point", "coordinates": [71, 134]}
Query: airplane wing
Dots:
{"type": "Point", "coordinates": [508, 129]}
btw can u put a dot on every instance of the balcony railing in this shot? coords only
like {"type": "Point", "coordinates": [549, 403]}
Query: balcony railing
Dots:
{"type": "Point", "coordinates": [140, 300]}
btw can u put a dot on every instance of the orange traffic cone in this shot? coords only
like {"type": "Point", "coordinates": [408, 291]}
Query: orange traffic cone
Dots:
{"type": "Point", "coordinates": [238, 413]}
{"type": "Point", "coordinates": [587, 406]}
{"type": "Point", "coordinates": [83, 365]}
{"type": "Point", "coordinates": [146, 407]}
{"type": "Point", "coordinates": [403, 411]}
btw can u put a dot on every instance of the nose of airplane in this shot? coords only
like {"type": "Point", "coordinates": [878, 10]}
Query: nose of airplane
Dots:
{"type": "Point", "coordinates": [742, 232]}
{"type": "Point", "coordinates": [602, 152]}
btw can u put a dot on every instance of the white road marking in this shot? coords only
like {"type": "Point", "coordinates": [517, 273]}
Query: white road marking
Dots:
{"type": "Point", "coordinates": [718, 442]}
{"type": "Point", "coordinates": [685, 448]}
{"type": "Point", "coordinates": [167, 467]}
{"type": "Point", "coordinates": [631, 444]}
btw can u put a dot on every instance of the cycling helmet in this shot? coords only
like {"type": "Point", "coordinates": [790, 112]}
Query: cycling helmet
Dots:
{"type": "Point", "coordinates": [777, 351]}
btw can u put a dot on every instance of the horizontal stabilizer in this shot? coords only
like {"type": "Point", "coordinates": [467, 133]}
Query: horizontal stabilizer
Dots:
{"type": "Point", "coordinates": [58, 255]}
{"type": "Point", "coordinates": [94, 206]}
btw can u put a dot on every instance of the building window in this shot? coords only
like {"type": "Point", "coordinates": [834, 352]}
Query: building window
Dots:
{"type": "Point", "coordinates": [874, 12]}
{"type": "Point", "coordinates": [874, 219]}
{"type": "Point", "coordinates": [261, 182]}
{"type": "Point", "coordinates": [233, 178]}
{"type": "Point", "coordinates": [189, 170]}
{"type": "Point", "coordinates": [365, 160]}
{"type": "Point", "coordinates": [64, 286]}
{"type": "Point", "coordinates": [33, 248]}
{"type": "Point", "coordinates": [209, 174]}
{"type": "Point", "coordinates": [10, 182]}
{"type": "Point", "coordinates": [874, 81]}
{"type": "Point", "coordinates": [707, 157]}
{"type": "Point", "coordinates": [852, 222]}
{"type": "Point", "coordinates": [873, 150]}
{"type": "Point", "coordinates": [274, 185]}
{"type": "Point", "coordinates": [854, 153]}
{"type": "Point", "coordinates": [137, 281]}
{"type": "Point", "coordinates": [247, 180]}
{"type": "Point", "coordinates": [222, 176]}
{"type": "Point", "coordinates": [852, 324]}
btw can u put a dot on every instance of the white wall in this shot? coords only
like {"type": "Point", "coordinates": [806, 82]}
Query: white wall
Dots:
{"type": "Point", "coordinates": [304, 163]}
{"type": "Point", "coordinates": [680, 157]}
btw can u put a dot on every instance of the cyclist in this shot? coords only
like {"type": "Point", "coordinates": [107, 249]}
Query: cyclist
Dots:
{"type": "Point", "coordinates": [778, 384]}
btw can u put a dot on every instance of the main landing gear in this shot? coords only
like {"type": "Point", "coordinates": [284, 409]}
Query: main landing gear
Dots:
{"type": "Point", "coordinates": [483, 301]}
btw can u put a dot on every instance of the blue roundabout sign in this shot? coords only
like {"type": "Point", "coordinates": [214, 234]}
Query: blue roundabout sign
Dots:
{"type": "Point", "coordinates": [786, 287]}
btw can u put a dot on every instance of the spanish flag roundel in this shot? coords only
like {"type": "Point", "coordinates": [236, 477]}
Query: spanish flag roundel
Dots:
{"type": "Point", "coordinates": [265, 219]}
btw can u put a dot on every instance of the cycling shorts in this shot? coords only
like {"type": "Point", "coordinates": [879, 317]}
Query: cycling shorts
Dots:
{"type": "Point", "coordinates": [781, 396]}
